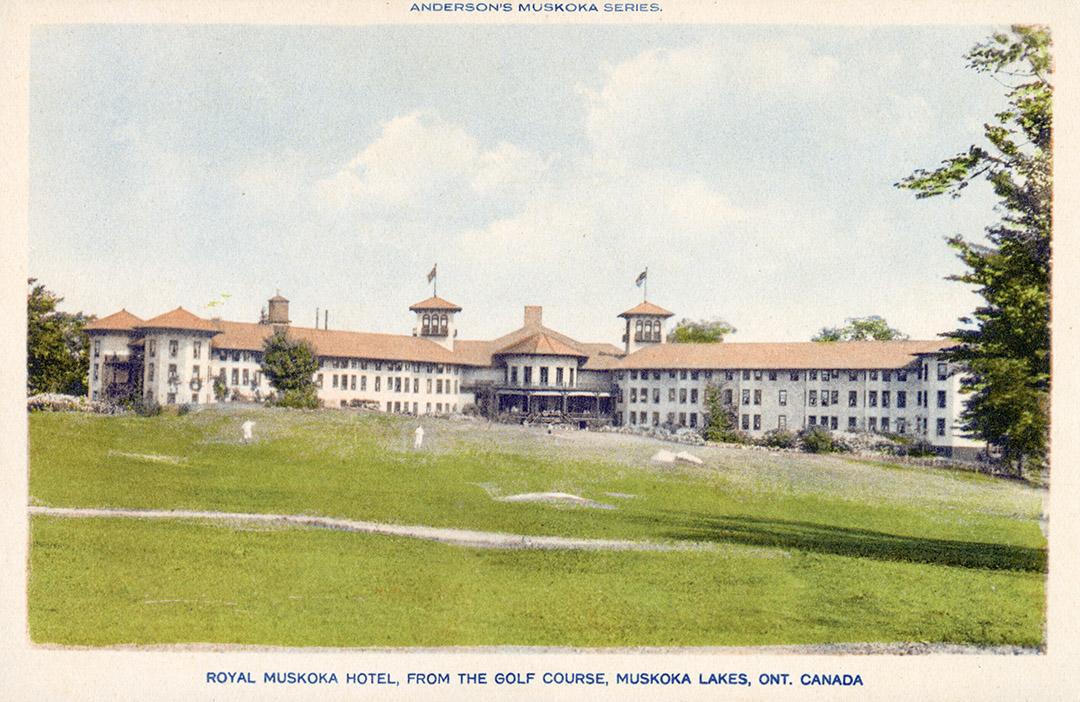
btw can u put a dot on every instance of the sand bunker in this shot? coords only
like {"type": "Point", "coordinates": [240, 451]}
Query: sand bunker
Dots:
{"type": "Point", "coordinates": [148, 457]}
{"type": "Point", "coordinates": [558, 498]}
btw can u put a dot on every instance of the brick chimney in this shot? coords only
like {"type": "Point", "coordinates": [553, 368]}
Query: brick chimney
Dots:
{"type": "Point", "coordinates": [534, 315]}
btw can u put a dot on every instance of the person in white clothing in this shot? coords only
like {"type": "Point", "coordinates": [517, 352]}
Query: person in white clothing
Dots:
{"type": "Point", "coordinates": [418, 438]}
{"type": "Point", "coordinates": [246, 427]}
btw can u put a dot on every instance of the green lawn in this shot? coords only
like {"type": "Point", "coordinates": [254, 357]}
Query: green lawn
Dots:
{"type": "Point", "coordinates": [809, 548]}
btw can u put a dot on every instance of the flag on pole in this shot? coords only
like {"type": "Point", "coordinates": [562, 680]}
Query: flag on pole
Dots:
{"type": "Point", "coordinates": [431, 274]}
{"type": "Point", "coordinates": [642, 277]}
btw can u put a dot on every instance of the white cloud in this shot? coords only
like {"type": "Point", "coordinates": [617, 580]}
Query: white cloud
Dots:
{"type": "Point", "coordinates": [420, 163]}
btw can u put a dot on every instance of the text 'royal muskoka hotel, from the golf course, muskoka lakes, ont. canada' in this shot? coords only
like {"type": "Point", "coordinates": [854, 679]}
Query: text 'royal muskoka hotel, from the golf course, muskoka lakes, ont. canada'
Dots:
{"type": "Point", "coordinates": [902, 387]}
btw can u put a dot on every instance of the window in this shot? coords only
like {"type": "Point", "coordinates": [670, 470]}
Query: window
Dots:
{"type": "Point", "coordinates": [378, 382]}
{"type": "Point", "coordinates": [781, 422]}
{"type": "Point", "coordinates": [853, 398]}
{"type": "Point", "coordinates": [682, 396]}
{"type": "Point", "coordinates": [194, 399]}
{"type": "Point", "coordinates": [633, 395]}
{"type": "Point", "coordinates": [873, 398]}
{"type": "Point", "coordinates": [746, 422]}
{"type": "Point", "coordinates": [757, 422]}
{"type": "Point", "coordinates": [694, 375]}
{"type": "Point", "coordinates": [941, 427]}
{"type": "Point", "coordinates": [236, 376]}
{"type": "Point", "coordinates": [544, 375]}
{"type": "Point", "coordinates": [438, 386]}
{"type": "Point", "coordinates": [693, 419]}
{"type": "Point", "coordinates": [772, 375]}
{"type": "Point", "coordinates": [170, 398]}
{"type": "Point", "coordinates": [633, 375]}
{"type": "Point", "coordinates": [851, 423]}
{"type": "Point", "coordinates": [527, 374]}
{"type": "Point", "coordinates": [853, 375]}
{"type": "Point", "coordinates": [835, 423]}
{"type": "Point", "coordinates": [196, 349]}
{"type": "Point", "coordinates": [426, 326]}
{"type": "Point", "coordinates": [885, 376]}
{"type": "Point", "coordinates": [151, 347]}
{"type": "Point", "coordinates": [693, 396]}
{"type": "Point", "coordinates": [670, 417]}
{"type": "Point", "coordinates": [174, 347]}
{"type": "Point", "coordinates": [415, 384]}
{"type": "Point", "coordinates": [746, 375]}
{"type": "Point", "coordinates": [825, 375]}
{"type": "Point", "coordinates": [942, 371]}
{"type": "Point", "coordinates": [794, 375]}
{"type": "Point", "coordinates": [941, 399]}
{"type": "Point", "coordinates": [656, 396]}
{"type": "Point", "coordinates": [811, 420]}
{"type": "Point", "coordinates": [836, 397]}
{"type": "Point", "coordinates": [782, 398]}
{"type": "Point", "coordinates": [559, 376]}
{"type": "Point", "coordinates": [811, 375]}
{"type": "Point", "coordinates": [682, 375]}
{"type": "Point", "coordinates": [746, 396]}
{"type": "Point", "coordinates": [884, 424]}
{"type": "Point", "coordinates": [757, 397]}
{"type": "Point", "coordinates": [633, 417]}
{"type": "Point", "coordinates": [813, 398]}
{"type": "Point", "coordinates": [97, 348]}
{"type": "Point", "coordinates": [901, 375]}
{"type": "Point", "coordinates": [334, 383]}
{"type": "Point", "coordinates": [901, 398]}
{"type": "Point", "coordinates": [656, 419]}
{"type": "Point", "coordinates": [397, 385]}
{"type": "Point", "coordinates": [513, 378]}
{"type": "Point", "coordinates": [363, 383]}
{"type": "Point", "coordinates": [901, 425]}
{"type": "Point", "coordinates": [824, 398]}
{"type": "Point", "coordinates": [873, 375]}
{"type": "Point", "coordinates": [757, 375]}
{"type": "Point", "coordinates": [872, 424]}
{"type": "Point", "coordinates": [885, 398]}
{"type": "Point", "coordinates": [656, 375]}
{"type": "Point", "coordinates": [682, 419]}
{"type": "Point", "coordinates": [194, 372]}
{"type": "Point", "coordinates": [729, 375]}
{"type": "Point", "coordinates": [727, 396]}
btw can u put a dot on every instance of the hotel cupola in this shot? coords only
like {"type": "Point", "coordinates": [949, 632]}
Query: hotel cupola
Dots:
{"type": "Point", "coordinates": [644, 326]}
{"type": "Point", "coordinates": [435, 320]}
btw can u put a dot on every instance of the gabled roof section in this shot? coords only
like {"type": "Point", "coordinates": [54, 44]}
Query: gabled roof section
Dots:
{"type": "Point", "coordinates": [855, 355]}
{"type": "Point", "coordinates": [178, 319]}
{"type": "Point", "coordinates": [541, 344]}
{"type": "Point", "coordinates": [435, 303]}
{"type": "Point", "coordinates": [647, 309]}
{"type": "Point", "coordinates": [117, 321]}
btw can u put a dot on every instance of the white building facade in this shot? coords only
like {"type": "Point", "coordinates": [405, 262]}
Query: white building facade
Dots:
{"type": "Point", "coordinates": [536, 373]}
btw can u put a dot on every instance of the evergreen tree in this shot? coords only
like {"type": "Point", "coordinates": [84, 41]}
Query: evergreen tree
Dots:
{"type": "Point", "coordinates": [289, 365]}
{"type": "Point", "coordinates": [705, 331]}
{"type": "Point", "coordinates": [1005, 343]}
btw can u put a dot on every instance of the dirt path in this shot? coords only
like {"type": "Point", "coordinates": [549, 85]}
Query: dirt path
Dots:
{"type": "Point", "coordinates": [456, 537]}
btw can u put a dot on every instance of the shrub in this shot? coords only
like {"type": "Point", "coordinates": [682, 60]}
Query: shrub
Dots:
{"type": "Point", "coordinates": [220, 389]}
{"type": "Point", "coordinates": [184, 409]}
{"type": "Point", "coordinates": [299, 398]}
{"type": "Point", "coordinates": [919, 448]}
{"type": "Point", "coordinates": [147, 407]}
{"type": "Point", "coordinates": [780, 438]}
{"type": "Point", "coordinates": [817, 440]}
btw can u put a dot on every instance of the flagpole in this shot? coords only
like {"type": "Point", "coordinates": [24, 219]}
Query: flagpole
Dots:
{"type": "Point", "coordinates": [645, 295]}
{"type": "Point", "coordinates": [435, 281]}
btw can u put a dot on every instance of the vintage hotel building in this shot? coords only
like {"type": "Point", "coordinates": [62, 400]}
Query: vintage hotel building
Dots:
{"type": "Point", "coordinates": [902, 387]}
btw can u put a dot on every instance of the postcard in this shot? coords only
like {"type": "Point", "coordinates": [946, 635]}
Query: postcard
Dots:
{"type": "Point", "coordinates": [487, 350]}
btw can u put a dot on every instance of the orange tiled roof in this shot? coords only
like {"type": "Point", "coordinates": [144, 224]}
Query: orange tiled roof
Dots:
{"type": "Point", "coordinates": [343, 344]}
{"type": "Point", "coordinates": [435, 303]}
{"type": "Point", "coordinates": [178, 319]}
{"type": "Point", "coordinates": [117, 321]}
{"type": "Point", "coordinates": [599, 356]}
{"type": "Point", "coordinates": [541, 344]}
{"type": "Point", "coordinates": [647, 308]}
{"type": "Point", "coordinates": [782, 356]}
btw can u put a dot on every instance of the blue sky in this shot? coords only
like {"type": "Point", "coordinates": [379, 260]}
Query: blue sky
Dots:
{"type": "Point", "coordinates": [749, 167]}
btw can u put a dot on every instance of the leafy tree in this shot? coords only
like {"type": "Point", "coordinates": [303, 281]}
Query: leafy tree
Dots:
{"type": "Point", "coordinates": [289, 365]}
{"type": "Point", "coordinates": [57, 349]}
{"type": "Point", "coordinates": [872, 328]}
{"type": "Point", "coordinates": [705, 331]}
{"type": "Point", "coordinates": [1005, 343]}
